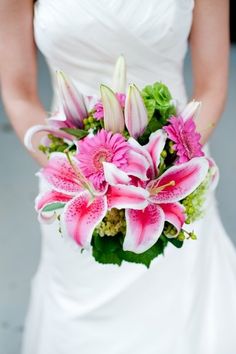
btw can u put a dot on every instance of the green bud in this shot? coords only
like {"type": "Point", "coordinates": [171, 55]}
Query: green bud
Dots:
{"type": "Point", "coordinates": [172, 232]}
{"type": "Point", "coordinates": [164, 154]}
{"type": "Point", "coordinates": [192, 235]}
{"type": "Point", "coordinates": [181, 236]}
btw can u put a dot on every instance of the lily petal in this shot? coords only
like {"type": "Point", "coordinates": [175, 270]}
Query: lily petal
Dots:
{"type": "Point", "coordinates": [175, 215]}
{"type": "Point", "coordinates": [144, 227]}
{"type": "Point", "coordinates": [81, 216]}
{"type": "Point", "coordinates": [50, 197]}
{"type": "Point", "coordinates": [114, 175]}
{"type": "Point", "coordinates": [144, 152]}
{"type": "Point", "coordinates": [113, 114]}
{"type": "Point", "coordinates": [60, 174]}
{"type": "Point", "coordinates": [215, 173]}
{"type": "Point", "coordinates": [136, 117]}
{"type": "Point", "coordinates": [127, 196]}
{"type": "Point", "coordinates": [155, 146]}
{"type": "Point", "coordinates": [179, 181]}
{"type": "Point", "coordinates": [43, 128]}
{"type": "Point", "coordinates": [119, 76]}
{"type": "Point", "coordinates": [137, 165]}
{"type": "Point", "coordinates": [192, 110]}
{"type": "Point", "coordinates": [47, 218]}
{"type": "Point", "coordinates": [72, 100]}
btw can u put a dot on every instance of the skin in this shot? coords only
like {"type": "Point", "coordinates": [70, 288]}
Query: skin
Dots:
{"type": "Point", "coordinates": [209, 44]}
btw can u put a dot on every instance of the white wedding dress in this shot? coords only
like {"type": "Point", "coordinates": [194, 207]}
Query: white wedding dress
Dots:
{"type": "Point", "coordinates": [185, 303]}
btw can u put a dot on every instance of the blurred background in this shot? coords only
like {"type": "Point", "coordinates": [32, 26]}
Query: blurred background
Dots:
{"type": "Point", "coordinates": [19, 229]}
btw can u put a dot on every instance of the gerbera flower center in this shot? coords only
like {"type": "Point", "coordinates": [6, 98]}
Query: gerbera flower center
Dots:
{"type": "Point", "coordinates": [93, 151]}
{"type": "Point", "coordinates": [101, 156]}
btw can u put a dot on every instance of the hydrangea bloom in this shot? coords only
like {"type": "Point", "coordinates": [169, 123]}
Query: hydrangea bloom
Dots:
{"type": "Point", "coordinates": [187, 140]}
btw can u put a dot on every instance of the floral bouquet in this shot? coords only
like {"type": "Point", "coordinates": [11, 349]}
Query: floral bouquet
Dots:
{"type": "Point", "coordinates": [125, 172]}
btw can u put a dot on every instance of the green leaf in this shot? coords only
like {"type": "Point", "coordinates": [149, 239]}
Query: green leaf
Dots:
{"type": "Point", "coordinates": [107, 258]}
{"type": "Point", "coordinates": [106, 249]}
{"type": "Point", "coordinates": [109, 250]}
{"type": "Point", "coordinates": [78, 133]}
{"type": "Point", "coordinates": [177, 243]}
{"type": "Point", "coordinates": [152, 126]}
{"type": "Point", "coordinates": [53, 206]}
{"type": "Point", "coordinates": [147, 256]}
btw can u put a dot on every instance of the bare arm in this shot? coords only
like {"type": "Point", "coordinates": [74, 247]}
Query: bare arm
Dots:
{"type": "Point", "coordinates": [209, 43]}
{"type": "Point", "coordinates": [18, 72]}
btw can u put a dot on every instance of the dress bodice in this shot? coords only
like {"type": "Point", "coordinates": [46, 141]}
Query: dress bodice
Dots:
{"type": "Point", "coordinates": [84, 38]}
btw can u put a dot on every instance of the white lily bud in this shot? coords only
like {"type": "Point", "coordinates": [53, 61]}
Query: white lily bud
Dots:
{"type": "Point", "coordinates": [192, 109]}
{"type": "Point", "coordinates": [119, 76]}
{"type": "Point", "coordinates": [113, 114]}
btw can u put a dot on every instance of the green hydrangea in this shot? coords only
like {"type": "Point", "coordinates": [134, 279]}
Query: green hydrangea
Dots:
{"type": "Point", "coordinates": [91, 122]}
{"type": "Point", "coordinates": [56, 145]}
{"type": "Point", "coordinates": [112, 223]}
{"type": "Point", "coordinates": [194, 203]}
{"type": "Point", "coordinates": [158, 100]}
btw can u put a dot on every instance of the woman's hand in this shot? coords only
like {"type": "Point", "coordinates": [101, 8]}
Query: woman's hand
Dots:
{"type": "Point", "coordinates": [18, 69]}
{"type": "Point", "coordinates": [209, 42]}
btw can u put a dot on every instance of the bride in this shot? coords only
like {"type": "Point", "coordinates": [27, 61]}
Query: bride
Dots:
{"type": "Point", "coordinates": [185, 302]}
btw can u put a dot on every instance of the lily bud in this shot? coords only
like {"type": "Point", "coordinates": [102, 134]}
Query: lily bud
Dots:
{"type": "Point", "coordinates": [119, 76]}
{"type": "Point", "coordinates": [136, 117]}
{"type": "Point", "coordinates": [72, 101]}
{"type": "Point", "coordinates": [113, 114]}
{"type": "Point", "coordinates": [191, 110]}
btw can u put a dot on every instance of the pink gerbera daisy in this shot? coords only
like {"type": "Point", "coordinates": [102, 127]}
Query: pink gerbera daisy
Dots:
{"type": "Point", "coordinates": [99, 114]}
{"type": "Point", "coordinates": [93, 151]}
{"type": "Point", "coordinates": [184, 135]}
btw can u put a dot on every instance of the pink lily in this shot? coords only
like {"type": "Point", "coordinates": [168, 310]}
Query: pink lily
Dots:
{"type": "Point", "coordinates": [52, 126]}
{"type": "Point", "coordinates": [70, 115]}
{"type": "Point", "coordinates": [119, 76]}
{"type": "Point", "coordinates": [136, 118]}
{"type": "Point", "coordinates": [145, 226]}
{"type": "Point", "coordinates": [83, 207]}
{"type": "Point", "coordinates": [113, 115]}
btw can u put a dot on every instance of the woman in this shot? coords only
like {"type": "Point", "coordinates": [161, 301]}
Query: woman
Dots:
{"type": "Point", "coordinates": [184, 303]}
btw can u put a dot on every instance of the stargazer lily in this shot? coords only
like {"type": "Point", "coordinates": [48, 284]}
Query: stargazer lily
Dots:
{"type": "Point", "coordinates": [83, 206]}
{"type": "Point", "coordinates": [165, 192]}
{"type": "Point", "coordinates": [52, 126]}
{"type": "Point", "coordinates": [73, 109]}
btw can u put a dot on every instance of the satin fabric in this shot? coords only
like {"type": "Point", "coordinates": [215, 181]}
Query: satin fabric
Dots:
{"type": "Point", "coordinates": [185, 302]}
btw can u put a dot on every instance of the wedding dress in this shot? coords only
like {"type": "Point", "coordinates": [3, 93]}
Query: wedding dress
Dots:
{"type": "Point", "coordinates": [185, 303]}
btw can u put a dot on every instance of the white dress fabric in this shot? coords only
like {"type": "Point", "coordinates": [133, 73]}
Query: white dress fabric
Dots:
{"type": "Point", "coordinates": [185, 303]}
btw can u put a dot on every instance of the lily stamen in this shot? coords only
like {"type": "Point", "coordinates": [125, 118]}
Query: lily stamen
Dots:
{"type": "Point", "coordinates": [84, 182]}
{"type": "Point", "coordinates": [156, 190]}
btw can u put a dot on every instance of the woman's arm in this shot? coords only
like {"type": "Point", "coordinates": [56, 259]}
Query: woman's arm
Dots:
{"type": "Point", "coordinates": [209, 43]}
{"type": "Point", "coordinates": [18, 69]}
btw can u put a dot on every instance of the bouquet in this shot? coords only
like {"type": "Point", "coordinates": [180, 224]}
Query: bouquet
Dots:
{"type": "Point", "coordinates": [126, 171]}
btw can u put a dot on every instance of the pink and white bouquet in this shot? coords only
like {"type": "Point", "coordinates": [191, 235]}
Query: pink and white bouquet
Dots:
{"type": "Point", "coordinates": [126, 171]}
